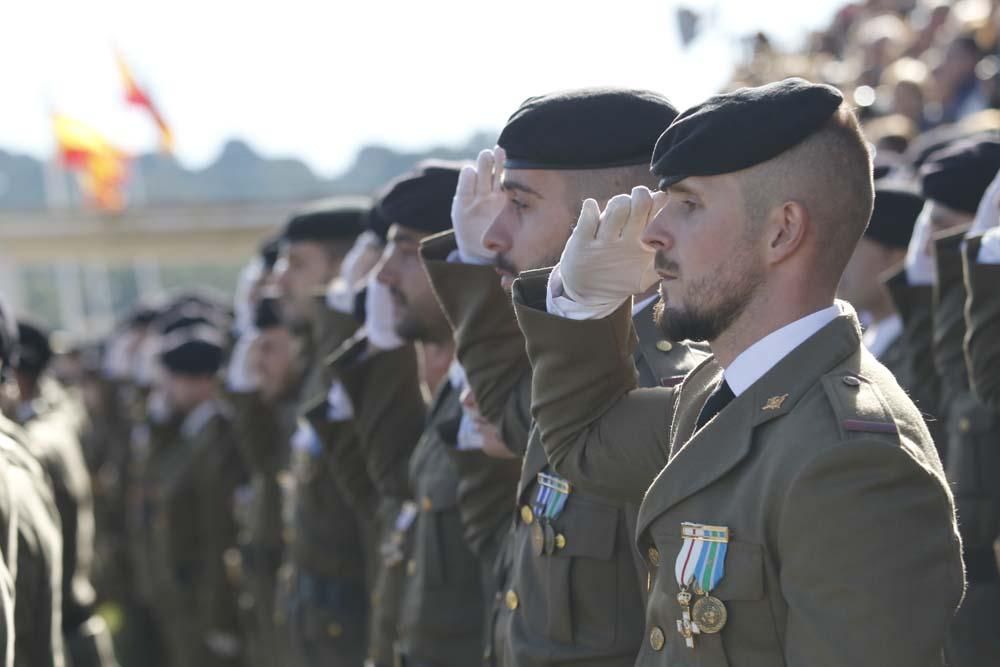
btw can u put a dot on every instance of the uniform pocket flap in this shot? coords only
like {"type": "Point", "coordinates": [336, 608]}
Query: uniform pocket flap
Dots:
{"type": "Point", "coordinates": [587, 529]}
{"type": "Point", "coordinates": [744, 574]}
{"type": "Point", "coordinates": [439, 495]}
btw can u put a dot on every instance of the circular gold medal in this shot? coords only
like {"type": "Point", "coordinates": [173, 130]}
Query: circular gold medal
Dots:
{"type": "Point", "coordinates": [710, 614]}
{"type": "Point", "coordinates": [537, 539]}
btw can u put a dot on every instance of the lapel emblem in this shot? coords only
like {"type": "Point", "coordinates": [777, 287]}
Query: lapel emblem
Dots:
{"type": "Point", "coordinates": [775, 402]}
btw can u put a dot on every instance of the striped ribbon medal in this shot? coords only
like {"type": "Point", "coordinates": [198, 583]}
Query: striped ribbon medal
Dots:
{"type": "Point", "coordinates": [700, 566]}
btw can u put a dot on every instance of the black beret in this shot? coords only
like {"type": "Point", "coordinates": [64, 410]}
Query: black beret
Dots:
{"type": "Point", "coordinates": [268, 313]}
{"type": "Point", "coordinates": [421, 199]}
{"type": "Point", "coordinates": [588, 128]}
{"type": "Point", "coordinates": [738, 130]}
{"type": "Point", "coordinates": [894, 215]}
{"type": "Point", "coordinates": [340, 219]}
{"type": "Point", "coordinates": [269, 250]}
{"type": "Point", "coordinates": [192, 346]}
{"type": "Point", "coordinates": [34, 352]}
{"type": "Point", "coordinates": [957, 176]}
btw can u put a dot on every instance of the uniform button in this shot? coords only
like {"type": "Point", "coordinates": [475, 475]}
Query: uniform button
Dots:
{"type": "Point", "coordinates": [411, 567]}
{"type": "Point", "coordinates": [656, 638]}
{"type": "Point", "coordinates": [334, 630]}
{"type": "Point", "coordinates": [511, 600]}
{"type": "Point", "coordinates": [964, 425]}
{"type": "Point", "coordinates": [654, 556]}
{"type": "Point", "coordinates": [851, 381]}
{"type": "Point", "coordinates": [527, 515]}
{"type": "Point", "coordinates": [426, 504]}
{"type": "Point", "coordinates": [664, 345]}
{"type": "Point", "coordinates": [560, 541]}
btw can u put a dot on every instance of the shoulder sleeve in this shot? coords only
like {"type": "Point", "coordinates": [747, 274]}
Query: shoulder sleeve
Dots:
{"type": "Point", "coordinates": [871, 564]}
{"type": "Point", "coordinates": [488, 342]}
{"type": "Point", "coordinates": [982, 337]}
{"type": "Point", "coordinates": [597, 429]}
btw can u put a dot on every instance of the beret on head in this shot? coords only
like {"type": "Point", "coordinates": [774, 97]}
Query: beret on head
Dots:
{"type": "Point", "coordinates": [957, 176]}
{"type": "Point", "coordinates": [34, 352]}
{"type": "Point", "coordinates": [340, 219]}
{"type": "Point", "coordinates": [738, 130]}
{"type": "Point", "coordinates": [894, 214]}
{"type": "Point", "coordinates": [421, 199]}
{"type": "Point", "coordinates": [268, 313]}
{"type": "Point", "coordinates": [191, 346]}
{"type": "Point", "coordinates": [588, 128]}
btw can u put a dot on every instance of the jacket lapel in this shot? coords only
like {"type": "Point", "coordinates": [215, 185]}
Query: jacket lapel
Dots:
{"type": "Point", "coordinates": [700, 458]}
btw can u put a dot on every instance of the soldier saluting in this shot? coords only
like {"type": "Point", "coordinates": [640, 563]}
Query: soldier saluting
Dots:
{"type": "Point", "coordinates": [795, 509]}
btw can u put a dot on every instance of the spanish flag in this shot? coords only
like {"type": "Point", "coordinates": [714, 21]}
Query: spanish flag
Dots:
{"type": "Point", "coordinates": [101, 168]}
{"type": "Point", "coordinates": [141, 98]}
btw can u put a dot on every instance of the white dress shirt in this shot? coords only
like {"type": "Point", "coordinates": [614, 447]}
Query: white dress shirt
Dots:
{"type": "Point", "coordinates": [880, 335]}
{"type": "Point", "coordinates": [762, 356]}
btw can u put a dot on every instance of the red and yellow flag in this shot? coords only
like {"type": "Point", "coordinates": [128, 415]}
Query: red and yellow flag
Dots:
{"type": "Point", "coordinates": [136, 96]}
{"type": "Point", "coordinates": [101, 168]}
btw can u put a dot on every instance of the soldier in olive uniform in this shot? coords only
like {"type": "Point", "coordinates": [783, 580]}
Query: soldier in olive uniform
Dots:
{"type": "Point", "coordinates": [788, 478]}
{"type": "Point", "coordinates": [193, 526]}
{"type": "Point", "coordinates": [982, 276]}
{"type": "Point", "coordinates": [44, 409]}
{"type": "Point", "coordinates": [571, 588]}
{"type": "Point", "coordinates": [323, 601]}
{"type": "Point", "coordinates": [375, 391]}
{"type": "Point", "coordinates": [954, 181]}
{"type": "Point", "coordinates": [30, 540]}
{"type": "Point", "coordinates": [441, 615]}
{"type": "Point", "coordinates": [882, 248]}
{"type": "Point", "coordinates": [265, 420]}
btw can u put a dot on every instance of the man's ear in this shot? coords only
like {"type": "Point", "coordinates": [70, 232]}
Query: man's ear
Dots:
{"type": "Point", "coordinates": [785, 231]}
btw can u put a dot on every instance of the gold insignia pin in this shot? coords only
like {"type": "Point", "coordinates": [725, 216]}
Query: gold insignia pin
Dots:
{"type": "Point", "coordinates": [775, 402]}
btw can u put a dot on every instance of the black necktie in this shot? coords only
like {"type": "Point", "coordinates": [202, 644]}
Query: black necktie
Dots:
{"type": "Point", "coordinates": [719, 399]}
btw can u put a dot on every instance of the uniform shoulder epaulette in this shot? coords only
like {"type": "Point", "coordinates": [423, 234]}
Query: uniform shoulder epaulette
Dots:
{"type": "Point", "coordinates": [858, 405]}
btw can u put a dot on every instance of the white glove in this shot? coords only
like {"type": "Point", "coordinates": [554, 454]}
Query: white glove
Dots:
{"type": "Point", "coordinates": [380, 316]}
{"type": "Point", "coordinates": [477, 203]}
{"type": "Point", "coordinates": [338, 404]}
{"type": "Point", "coordinates": [605, 261]}
{"type": "Point", "coordinates": [988, 212]}
{"type": "Point", "coordinates": [117, 358]}
{"type": "Point", "coordinates": [240, 375]}
{"type": "Point", "coordinates": [989, 251]}
{"type": "Point", "coordinates": [358, 263]}
{"type": "Point", "coordinates": [919, 264]}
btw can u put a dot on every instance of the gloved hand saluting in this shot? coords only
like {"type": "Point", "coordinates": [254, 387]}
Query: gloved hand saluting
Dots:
{"type": "Point", "coordinates": [477, 203]}
{"type": "Point", "coordinates": [605, 262]}
{"type": "Point", "coordinates": [380, 315]}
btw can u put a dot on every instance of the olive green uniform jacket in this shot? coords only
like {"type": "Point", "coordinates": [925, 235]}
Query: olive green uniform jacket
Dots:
{"type": "Point", "coordinates": [35, 557]}
{"type": "Point", "coordinates": [264, 431]}
{"type": "Point", "coordinates": [973, 464]}
{"type": "Point", "coordinates": [982, 336]}
{"type": "Point", "coordinates": [579, 597]}
{"type": "Point", "coordinates": [441, 617]}
{"type": "Point", "coordinates": [843, 546]}
{"type": "Point", "coordinates": [193, 527]}
{"type": "Point", "coordinates": [51, 426]}
{"type": "Point", "coordinates": [384, 391]}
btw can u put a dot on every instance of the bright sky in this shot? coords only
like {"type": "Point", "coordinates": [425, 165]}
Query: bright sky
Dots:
{"type": "Point", "coordinates": [318, 79]}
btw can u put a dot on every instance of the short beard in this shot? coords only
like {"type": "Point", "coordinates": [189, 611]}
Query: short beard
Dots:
{"type": "Point", "coordinates": [708, 323]}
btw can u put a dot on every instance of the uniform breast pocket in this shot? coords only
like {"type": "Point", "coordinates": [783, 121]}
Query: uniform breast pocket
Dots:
{"type": "Point", "coordinates": [592, 594]}
{"type": "Point", "coordinates": [440, 553]}
{"type": "Point", "coordinates": [750, 622]}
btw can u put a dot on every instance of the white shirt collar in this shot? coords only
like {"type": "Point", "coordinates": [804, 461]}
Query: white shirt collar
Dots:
{"type": "Point", "coordinates": [638, 307]}
{"type": "Point", "coordinates": [880, 335]}
{"type": "Point", "coordinates": [762, 356]}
